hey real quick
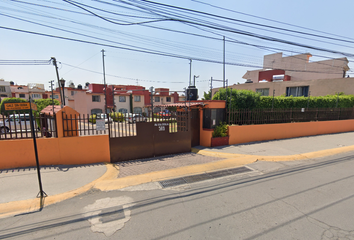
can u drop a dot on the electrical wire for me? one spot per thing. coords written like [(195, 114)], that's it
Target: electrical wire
[(110, 75), (25, 62)]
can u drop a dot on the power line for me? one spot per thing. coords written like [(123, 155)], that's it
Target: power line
[(258, 46), (25, 62), (268, 19), (128, 78), (238, 20), (245, 33)]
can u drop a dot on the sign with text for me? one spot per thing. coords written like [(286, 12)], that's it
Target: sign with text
[(100, 125), (17, 106), (162, 126)]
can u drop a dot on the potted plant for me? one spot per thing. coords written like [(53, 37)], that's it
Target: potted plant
[(220, 137)]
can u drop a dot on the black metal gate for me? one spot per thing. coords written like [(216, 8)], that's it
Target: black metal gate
[(134, 136)]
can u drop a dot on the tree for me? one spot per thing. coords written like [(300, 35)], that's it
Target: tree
[(42, 103), (11, 100), (240, 99), (207, 96)]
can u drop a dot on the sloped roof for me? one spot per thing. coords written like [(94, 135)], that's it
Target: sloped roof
[(49, 109)]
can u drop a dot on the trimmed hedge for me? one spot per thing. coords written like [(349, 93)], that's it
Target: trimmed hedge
[(246, 99)]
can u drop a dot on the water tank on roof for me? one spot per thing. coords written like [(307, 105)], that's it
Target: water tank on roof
[(278, 78), (79, 86), (192, 93)]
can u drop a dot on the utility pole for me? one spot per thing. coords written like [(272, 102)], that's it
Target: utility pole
[(152, 102), (104, 83), (56, 70), (211, 88), (51, 85), (224, 64), (190, 72)]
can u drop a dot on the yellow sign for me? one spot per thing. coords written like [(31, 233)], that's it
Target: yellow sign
[(17, 106)]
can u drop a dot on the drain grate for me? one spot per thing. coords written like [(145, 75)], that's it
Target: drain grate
[(202, 177), (172, 182)]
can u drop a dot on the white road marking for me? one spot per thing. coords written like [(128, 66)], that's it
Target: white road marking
[(109, 208)]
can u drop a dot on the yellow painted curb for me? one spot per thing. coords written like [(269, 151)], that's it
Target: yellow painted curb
[(30, 205), (303, 156), (120, 183), (218, 154)]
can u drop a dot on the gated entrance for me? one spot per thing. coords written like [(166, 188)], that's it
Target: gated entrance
[(137, 136)]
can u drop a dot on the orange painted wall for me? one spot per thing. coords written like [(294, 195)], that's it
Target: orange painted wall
[(55, 151), (253, 133), (214, 103)]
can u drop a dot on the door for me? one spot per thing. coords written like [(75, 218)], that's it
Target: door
[(195, 127)]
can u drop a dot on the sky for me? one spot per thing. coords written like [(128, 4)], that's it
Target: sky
[(150, 43)]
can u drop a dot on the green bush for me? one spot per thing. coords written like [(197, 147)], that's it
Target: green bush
[(246, 99), (92, 118), (240, 99), (117, 116), (329, 101), (220, 130)]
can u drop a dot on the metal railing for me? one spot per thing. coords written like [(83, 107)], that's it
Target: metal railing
[(267, 116), (120, 125), (18, 126)]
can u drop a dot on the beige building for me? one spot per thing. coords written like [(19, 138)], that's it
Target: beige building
[(297, 68), (320, 87), (296, 76)]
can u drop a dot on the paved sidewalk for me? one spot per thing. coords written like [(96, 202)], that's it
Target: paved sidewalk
[(147, 165), (22, 183), (288, 146)]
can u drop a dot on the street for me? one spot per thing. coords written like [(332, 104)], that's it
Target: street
[(307, 199)]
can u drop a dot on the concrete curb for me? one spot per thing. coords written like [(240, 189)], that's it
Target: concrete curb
[(32, 205), (303, 156), (129, 181)]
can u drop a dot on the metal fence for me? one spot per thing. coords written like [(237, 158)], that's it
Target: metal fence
[(120, 125), (267, 116), (18, 126)]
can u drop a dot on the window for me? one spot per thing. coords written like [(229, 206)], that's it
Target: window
[(73, 93), (123, 110), (22, 95), (263, 91), (137, 99), (122, 99), (2, 89), (157, 99), (168, 99), (36, 95), (297, 91), (138, 110), (157, 109), (3, 95), (55, 96), (96, 110), (96, 98)]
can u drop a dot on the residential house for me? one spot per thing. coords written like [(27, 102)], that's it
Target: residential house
[(5, 90), (33, 90), (297, 76)]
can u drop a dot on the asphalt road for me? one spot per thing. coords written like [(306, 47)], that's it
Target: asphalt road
[(309, 199)]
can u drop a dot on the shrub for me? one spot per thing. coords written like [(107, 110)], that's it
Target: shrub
[(240, 99), (117, 116), (92, 118), (220, 131)]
